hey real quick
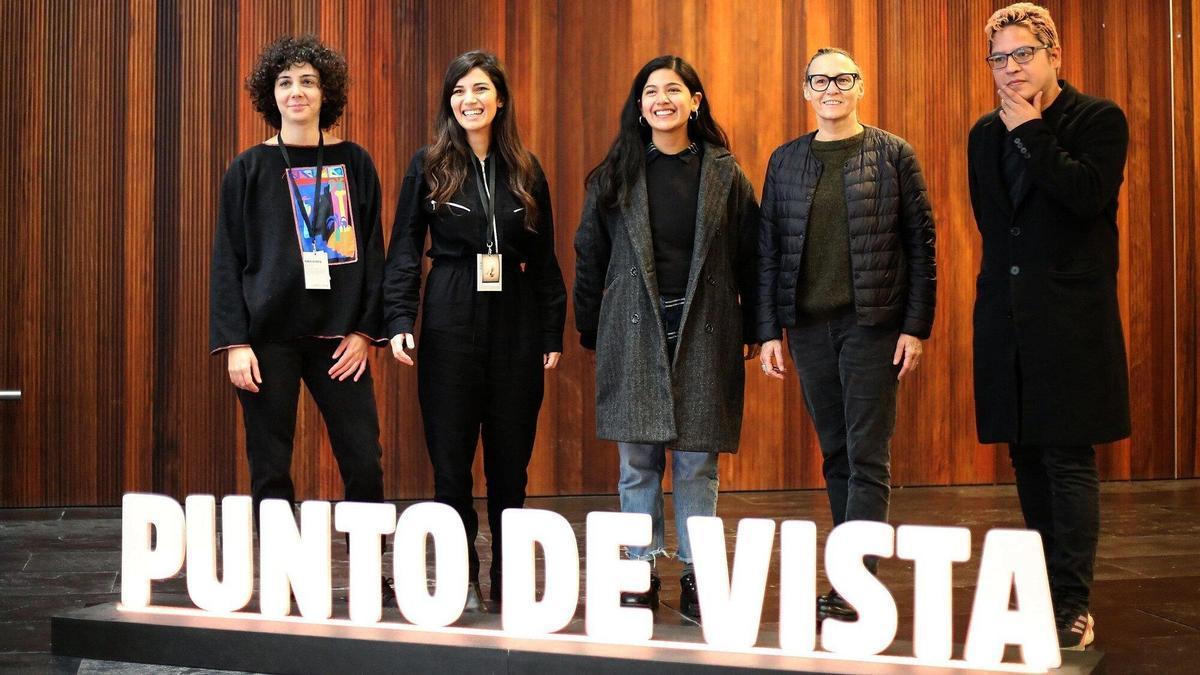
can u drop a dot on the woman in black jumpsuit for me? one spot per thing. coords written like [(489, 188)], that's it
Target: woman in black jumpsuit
[(482, 352)]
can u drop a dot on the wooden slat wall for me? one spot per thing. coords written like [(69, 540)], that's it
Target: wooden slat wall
[(1186, 21), (120, 117)]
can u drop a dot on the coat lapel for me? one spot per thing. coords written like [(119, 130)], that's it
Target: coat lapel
[(637, 223), (716, 177), (991, 178)]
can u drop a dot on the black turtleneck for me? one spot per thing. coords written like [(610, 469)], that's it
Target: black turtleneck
[(673, 188)]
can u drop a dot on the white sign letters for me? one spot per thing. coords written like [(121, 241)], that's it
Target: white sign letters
[(158, 536)]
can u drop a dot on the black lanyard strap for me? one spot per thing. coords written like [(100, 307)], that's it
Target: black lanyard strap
[(316, 203), (487, 195)]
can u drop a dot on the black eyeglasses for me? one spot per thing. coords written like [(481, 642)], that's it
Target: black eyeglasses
[(843, 81), (1020, 55)]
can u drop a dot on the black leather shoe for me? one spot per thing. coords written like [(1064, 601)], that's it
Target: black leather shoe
[(689, 601), (388, 592), (834, 606), (474, 601), (648, 598)]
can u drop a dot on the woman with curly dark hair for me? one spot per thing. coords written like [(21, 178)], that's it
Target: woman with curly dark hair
[(495, 303), (296, 272)]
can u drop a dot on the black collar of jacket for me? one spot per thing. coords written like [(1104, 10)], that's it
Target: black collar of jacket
[(1063, 103), (992, 139), (873, 137)]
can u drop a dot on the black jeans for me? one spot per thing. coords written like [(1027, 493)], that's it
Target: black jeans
[(1059, 490), (348, 408), (849, 386)]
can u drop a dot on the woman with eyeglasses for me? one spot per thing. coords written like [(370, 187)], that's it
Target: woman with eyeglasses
[(664, 284), (495, 302), (846, 266)]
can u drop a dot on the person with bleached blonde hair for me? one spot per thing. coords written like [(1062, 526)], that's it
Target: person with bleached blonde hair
[(1045, 169)]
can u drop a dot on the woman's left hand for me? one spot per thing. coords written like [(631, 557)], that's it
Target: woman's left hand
[(351, 355), (550, 360), (908, 352)]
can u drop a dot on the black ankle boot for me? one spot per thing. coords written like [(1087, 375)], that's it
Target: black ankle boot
[(648, 598), (474, 601), (689, 600), (833, 606)]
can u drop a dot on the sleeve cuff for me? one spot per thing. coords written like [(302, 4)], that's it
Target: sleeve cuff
[(398, 326), (217, 350), (552, 343), (916, 328)]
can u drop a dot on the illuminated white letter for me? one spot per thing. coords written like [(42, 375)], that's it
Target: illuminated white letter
[(1012, 561), (237, 552), (450, 567), (294, 559), (608, 576), (797, 586), (521, 613), (366, 523), (731, 609), (140, 563), (876, 625), (933, 550)]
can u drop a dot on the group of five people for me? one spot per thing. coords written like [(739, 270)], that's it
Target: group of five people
[(680, 276)]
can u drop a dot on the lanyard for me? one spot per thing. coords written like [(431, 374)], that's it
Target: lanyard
[(487, 195), (316, 203)]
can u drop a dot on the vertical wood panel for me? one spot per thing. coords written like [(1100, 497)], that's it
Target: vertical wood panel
[(120, 158), (1186, 54)]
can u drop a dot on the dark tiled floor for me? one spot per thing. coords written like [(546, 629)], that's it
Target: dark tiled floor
[(1146, 597)]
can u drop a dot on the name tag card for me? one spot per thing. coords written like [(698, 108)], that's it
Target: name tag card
[(488, 275), (316, 270)]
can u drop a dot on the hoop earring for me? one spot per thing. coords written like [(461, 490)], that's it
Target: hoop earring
[(641, 121), (694, 116)]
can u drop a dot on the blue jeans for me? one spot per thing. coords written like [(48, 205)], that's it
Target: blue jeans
[(695, 489)]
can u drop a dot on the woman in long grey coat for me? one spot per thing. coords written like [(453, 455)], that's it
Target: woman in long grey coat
[(665, 265)]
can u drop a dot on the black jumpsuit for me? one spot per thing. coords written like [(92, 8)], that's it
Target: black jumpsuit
[(479, 355)]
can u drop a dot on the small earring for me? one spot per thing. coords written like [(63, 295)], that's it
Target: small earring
[(694, 116)]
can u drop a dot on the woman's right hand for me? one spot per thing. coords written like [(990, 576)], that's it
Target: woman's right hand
[(243, 368), (399, 342), (771, 358)]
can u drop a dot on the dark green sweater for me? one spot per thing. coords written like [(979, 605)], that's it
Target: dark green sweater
[(825, 284)]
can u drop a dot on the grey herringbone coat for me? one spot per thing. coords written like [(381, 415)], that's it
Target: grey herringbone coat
[(695, 402)]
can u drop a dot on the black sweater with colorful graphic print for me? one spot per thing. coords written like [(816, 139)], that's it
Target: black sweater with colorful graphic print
[(258, 292)]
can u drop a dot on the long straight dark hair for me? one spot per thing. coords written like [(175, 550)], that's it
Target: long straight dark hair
[(448, 159), (614, 177)]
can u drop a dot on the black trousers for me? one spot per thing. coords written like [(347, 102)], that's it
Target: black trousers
[(1059, 489), (486, 377), (348, 408), (849, 386)]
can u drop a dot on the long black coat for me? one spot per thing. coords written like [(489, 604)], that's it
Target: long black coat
[(694, 402), (1049, 351)]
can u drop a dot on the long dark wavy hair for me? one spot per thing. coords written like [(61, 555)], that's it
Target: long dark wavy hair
[(614, 177), (449, 157)]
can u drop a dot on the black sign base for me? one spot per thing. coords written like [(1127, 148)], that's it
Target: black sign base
[(249, 643)]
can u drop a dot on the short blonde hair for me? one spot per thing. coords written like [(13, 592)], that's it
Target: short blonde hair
[(1034, 17)]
